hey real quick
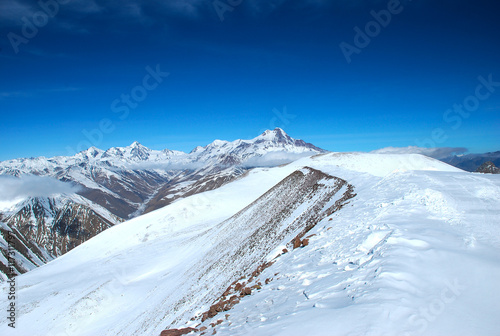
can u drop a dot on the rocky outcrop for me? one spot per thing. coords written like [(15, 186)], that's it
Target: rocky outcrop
[(177, 332), (233, 294), (488, 168)]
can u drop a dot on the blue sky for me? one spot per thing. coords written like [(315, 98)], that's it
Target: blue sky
[(267, 64)]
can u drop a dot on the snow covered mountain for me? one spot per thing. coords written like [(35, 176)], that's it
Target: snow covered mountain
[(47, 227), (334, 244), (130, 180)]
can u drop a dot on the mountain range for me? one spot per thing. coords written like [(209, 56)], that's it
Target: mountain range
[(122, 183), (114, 185)]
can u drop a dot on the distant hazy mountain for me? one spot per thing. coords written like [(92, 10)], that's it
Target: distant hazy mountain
[(471, 162), (452, 155)]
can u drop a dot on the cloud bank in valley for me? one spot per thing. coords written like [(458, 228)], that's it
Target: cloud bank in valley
[(15, 188), (436, 153), (163, 166)]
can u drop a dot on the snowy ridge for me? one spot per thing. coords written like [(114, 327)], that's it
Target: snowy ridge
[(244, 241), (415, 253)]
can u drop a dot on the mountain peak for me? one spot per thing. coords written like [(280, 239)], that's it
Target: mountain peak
[(92, 152), (276, 131), (135, 144), (136, 151), (276, 135), (94, 149), (218, 143), (197, 149)]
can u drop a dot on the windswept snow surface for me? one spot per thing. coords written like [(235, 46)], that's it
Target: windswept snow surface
[(416, 252)]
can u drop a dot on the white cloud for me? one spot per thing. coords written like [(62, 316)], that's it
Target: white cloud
[(189, 8), (11, 12), (436, 153), (14, 188), (77, 11), (273, 159)]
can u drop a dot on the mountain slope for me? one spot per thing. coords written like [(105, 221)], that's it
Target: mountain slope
[(242, 243), (414, 222)]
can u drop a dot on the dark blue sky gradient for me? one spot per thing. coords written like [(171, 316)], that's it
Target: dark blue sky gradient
[(227, 77)]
